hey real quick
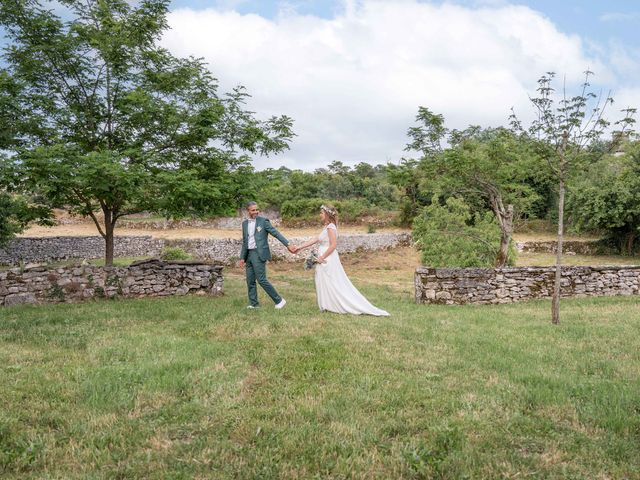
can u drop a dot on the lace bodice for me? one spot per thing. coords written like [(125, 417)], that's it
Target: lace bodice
[(324, 236)]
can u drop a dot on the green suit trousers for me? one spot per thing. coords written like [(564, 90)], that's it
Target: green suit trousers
[(256, 270)]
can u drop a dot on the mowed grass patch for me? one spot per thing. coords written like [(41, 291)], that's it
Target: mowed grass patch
[(197, 387), (527, 259)]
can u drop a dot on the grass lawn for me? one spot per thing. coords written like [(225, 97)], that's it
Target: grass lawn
[(203, 388)]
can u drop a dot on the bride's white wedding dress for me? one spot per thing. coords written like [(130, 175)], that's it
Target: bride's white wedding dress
[(335, 291)]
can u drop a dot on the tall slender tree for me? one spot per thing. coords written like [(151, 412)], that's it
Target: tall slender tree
[(565, 128)]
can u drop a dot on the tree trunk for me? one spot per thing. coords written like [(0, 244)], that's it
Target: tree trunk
[(506, 232), (631, 238), (555, 303), (108, 238)]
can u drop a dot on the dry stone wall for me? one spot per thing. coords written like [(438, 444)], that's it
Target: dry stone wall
[(152, 278), (569, 247), (507, 285), (46, 249), (222, 250)]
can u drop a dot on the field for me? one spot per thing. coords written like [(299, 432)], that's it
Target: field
[(197, 387), (79, 227)]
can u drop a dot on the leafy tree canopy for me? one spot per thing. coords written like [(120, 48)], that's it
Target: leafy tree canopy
[(607, 198), (450, 235), (97, 117)]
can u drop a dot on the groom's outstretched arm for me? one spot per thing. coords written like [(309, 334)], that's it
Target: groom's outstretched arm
[(274, 231)]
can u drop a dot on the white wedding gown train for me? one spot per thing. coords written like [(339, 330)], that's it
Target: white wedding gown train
[(335, 291)]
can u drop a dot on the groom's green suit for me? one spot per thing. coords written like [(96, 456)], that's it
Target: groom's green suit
[(256, 259)]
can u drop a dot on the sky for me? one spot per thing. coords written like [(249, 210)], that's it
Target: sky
[(353, 73)]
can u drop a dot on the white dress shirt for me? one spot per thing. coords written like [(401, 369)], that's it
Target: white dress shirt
[(251, 231)]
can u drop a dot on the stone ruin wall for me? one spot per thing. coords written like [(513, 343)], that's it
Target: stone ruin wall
[(569, 247), (516, 284), (221, 250), (152, 278)]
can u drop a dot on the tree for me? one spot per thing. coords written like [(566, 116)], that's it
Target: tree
[(16, 212), (101, 119), (607, 199), (450, 235), (493, 165), (484, 166), (564, 134)]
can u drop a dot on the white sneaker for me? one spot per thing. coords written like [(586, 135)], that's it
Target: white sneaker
[(253, 306), (282, 303)]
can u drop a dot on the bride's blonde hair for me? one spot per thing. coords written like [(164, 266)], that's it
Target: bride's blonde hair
[(331, 212)]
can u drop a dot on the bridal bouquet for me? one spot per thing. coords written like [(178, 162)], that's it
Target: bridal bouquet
[(310, 261)]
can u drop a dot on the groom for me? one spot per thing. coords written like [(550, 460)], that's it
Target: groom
[(255, 253)]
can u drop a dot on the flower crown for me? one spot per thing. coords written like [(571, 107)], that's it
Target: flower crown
[(331, 211)]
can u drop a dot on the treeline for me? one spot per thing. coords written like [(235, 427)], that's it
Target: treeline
[(360, 192), (485, 170)]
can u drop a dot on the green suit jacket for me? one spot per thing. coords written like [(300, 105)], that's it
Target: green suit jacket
[(261, 235)]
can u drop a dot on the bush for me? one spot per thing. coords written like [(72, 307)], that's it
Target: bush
[(174, 253), (450, 236), (307, 209)]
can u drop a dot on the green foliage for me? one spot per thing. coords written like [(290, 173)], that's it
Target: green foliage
[(607, 199), (17, 210), (416, 184), (495, 166), (427, 136), (103, 119), (308, 209), (56, 293), (450, 235), (364, 184), (174, 253), (15, 214), (489, 169)]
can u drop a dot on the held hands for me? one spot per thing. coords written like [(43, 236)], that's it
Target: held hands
[(241, 263), (293, 248)]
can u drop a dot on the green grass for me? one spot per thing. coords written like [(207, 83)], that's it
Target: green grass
[(203, 388), (541, 259)]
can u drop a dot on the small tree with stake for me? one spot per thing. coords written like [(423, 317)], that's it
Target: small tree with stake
[(564, 132)]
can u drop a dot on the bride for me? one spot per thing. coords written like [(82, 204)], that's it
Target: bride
[(334, 290)]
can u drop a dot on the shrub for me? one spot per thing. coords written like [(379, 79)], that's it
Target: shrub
[(451, 236), (174, 253), (307, 209)]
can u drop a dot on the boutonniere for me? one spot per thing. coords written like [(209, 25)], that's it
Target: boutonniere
[(259, 229)]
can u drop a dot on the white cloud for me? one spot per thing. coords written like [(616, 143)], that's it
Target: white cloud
[(626, 97), (353, 83)]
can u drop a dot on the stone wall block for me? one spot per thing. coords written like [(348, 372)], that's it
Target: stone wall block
[(19, 299), (74, 283), (515, 284)]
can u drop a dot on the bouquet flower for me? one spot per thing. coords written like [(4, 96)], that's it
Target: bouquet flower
[(310, 261)]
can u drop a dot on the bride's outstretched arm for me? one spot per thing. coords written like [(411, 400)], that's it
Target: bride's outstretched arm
[(308, 243), (333, 243)]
